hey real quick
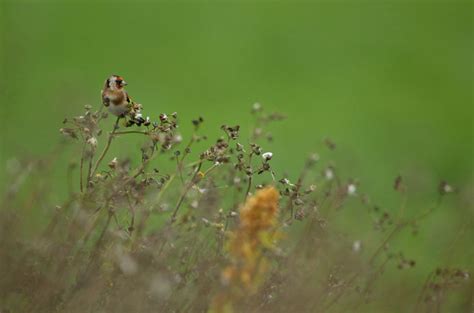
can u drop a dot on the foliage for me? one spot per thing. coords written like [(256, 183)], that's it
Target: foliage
[(221, 233)]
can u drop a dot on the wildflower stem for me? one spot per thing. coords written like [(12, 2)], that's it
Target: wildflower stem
[(185, 191), (185, 153), (403, 204), (294, 195), (82, 166), (210, 169), (98, 243), (89, 169), (397, 228), (428, 212), (131, 132), (422, 292), (145, 162), (249, 185), (141, 224), (132, 212), (109, 141), (341, 293), (178, 167), (400, 226)]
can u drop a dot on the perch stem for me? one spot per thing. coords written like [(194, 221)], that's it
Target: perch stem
[(109, 142)]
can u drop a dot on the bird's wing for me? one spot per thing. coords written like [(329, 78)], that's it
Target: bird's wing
[(105, 99)]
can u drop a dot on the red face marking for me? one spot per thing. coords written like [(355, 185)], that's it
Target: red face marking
[(119, 81)]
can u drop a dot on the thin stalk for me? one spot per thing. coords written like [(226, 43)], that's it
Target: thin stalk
[(185, 153), (132, 211), (109, 141), (249, 185), (185, 191), (422, 292), (81, 166), (397, 228), (145, 162), (89, 170), (131, 132), (401, 225)]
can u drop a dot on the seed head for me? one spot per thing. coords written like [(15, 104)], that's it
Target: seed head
[(351, 189), (267, 156)]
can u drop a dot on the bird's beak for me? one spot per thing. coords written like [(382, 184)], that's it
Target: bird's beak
[(124, 83)]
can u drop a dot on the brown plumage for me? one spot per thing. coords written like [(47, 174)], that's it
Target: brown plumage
[(114, 96)]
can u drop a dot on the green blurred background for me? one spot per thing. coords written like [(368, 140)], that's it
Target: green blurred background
[(390, 83)]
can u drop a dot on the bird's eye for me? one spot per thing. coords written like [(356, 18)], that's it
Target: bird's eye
[(119, 81)]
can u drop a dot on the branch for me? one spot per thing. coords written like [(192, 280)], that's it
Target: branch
[(109, 141)]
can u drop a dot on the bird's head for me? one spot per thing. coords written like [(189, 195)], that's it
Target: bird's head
[(115, 82)]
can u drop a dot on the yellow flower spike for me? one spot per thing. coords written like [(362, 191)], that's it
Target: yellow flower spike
[(256, 233)]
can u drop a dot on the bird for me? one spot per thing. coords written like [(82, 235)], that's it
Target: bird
[(116, 99), (114, 96)]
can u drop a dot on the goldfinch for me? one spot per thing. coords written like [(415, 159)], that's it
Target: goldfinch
[(114, 96), (116, 99)]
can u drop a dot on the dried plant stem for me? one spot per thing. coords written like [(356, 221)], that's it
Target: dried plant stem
[(294, 195), (89, 169), (69, 179), (131, 132), (379, 249), (142, 167), (107, 146), (146, 215), (210, 169), (341, 293), (185, 191), (83, 278), (132, 211), (461, 232), (179, 170), (249, 185), (422, 292), (90, 230), (98, 243), (164, 188), (82, 166), (400, 226), (185, 153), (403, 204), (371, 281)]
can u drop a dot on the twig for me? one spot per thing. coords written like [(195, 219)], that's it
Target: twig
[(145, 162), (397, 228), (185, 191), (210, 169), (109, 141), (422, 292), (89, 169), (249, 185), (132, 211), (180, 172), (294, 195), (185, 153), (81, 167), (131, 132), (146, 215)]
